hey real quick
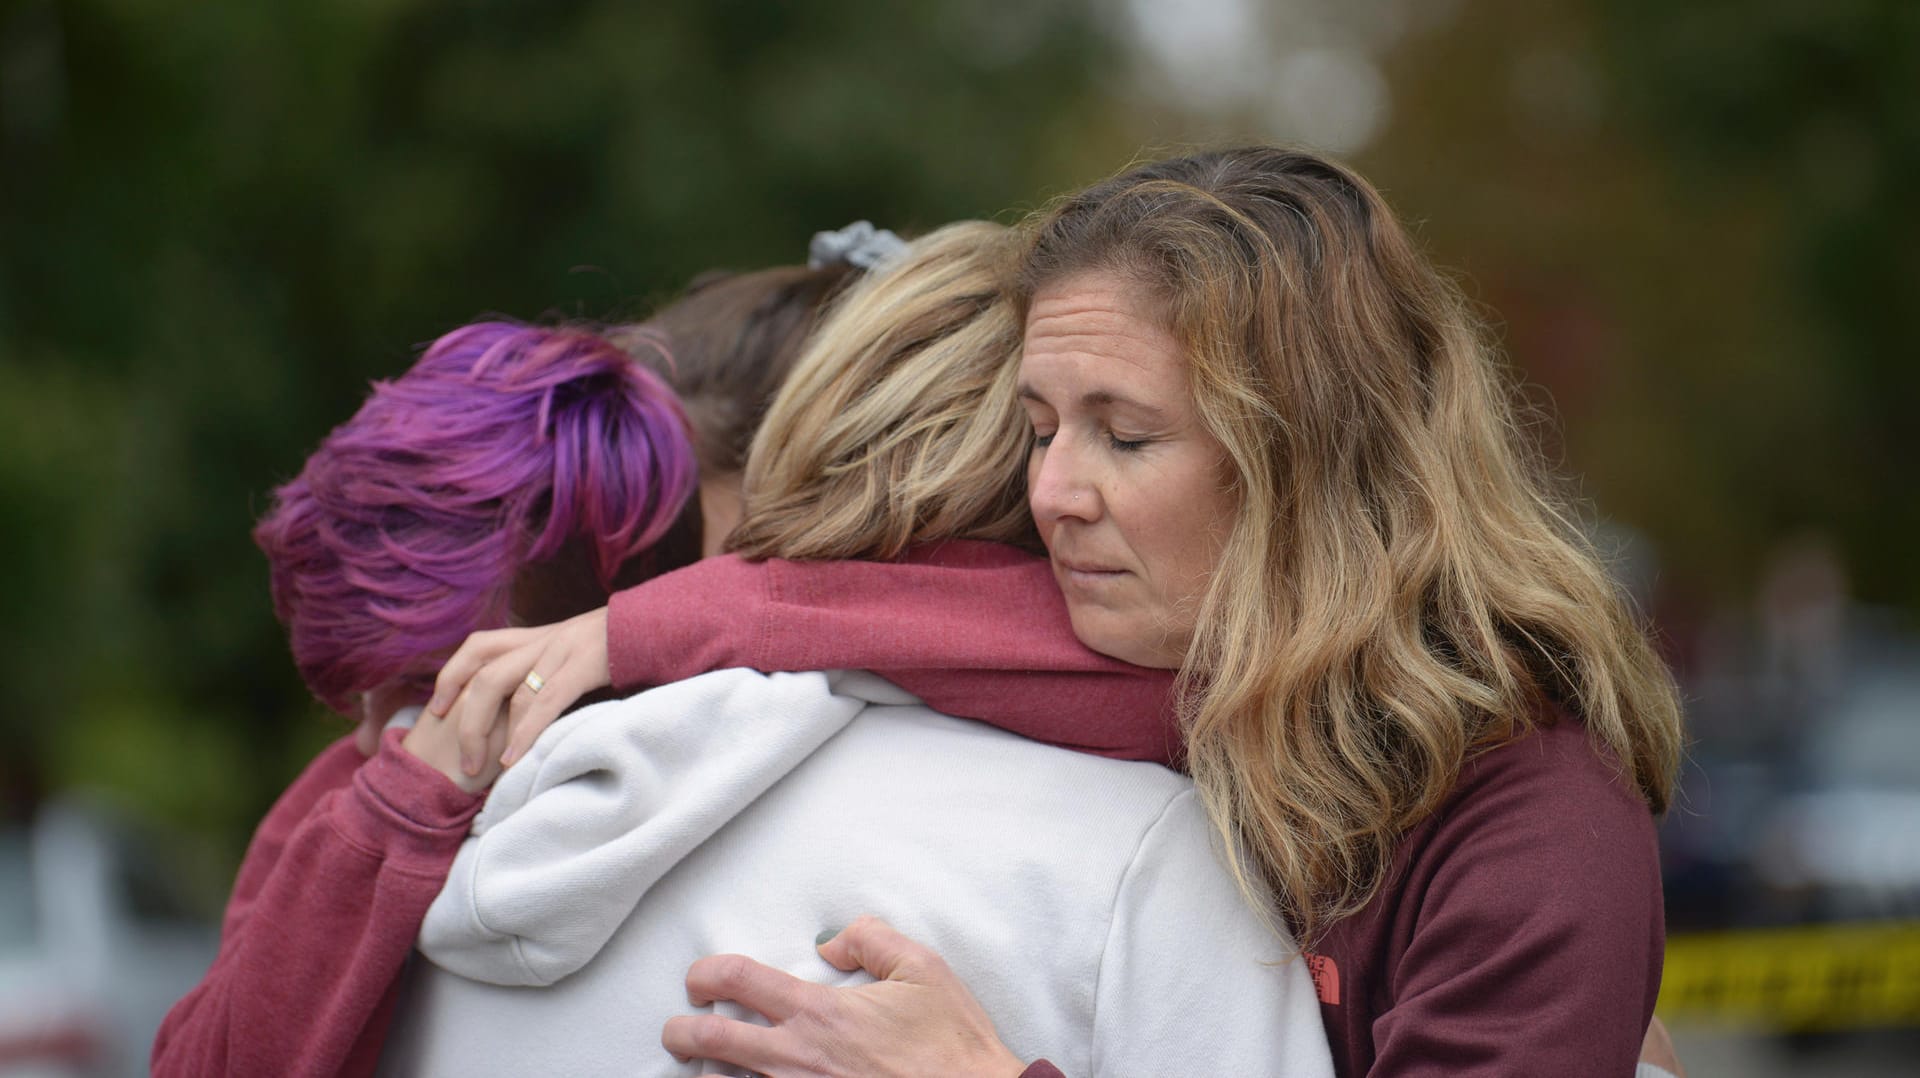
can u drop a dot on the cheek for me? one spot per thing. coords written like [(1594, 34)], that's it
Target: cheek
[(1190, 554), (1191, 530)]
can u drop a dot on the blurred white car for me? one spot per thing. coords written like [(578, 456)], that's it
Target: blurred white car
[(1848, 837), (93, 948)]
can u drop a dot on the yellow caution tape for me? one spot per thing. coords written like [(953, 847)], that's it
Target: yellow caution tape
[(1821, 977)]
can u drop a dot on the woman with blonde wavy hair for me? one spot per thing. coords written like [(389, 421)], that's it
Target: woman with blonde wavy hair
[(1272, 450)]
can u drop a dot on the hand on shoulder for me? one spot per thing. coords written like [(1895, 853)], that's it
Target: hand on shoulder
[(435, 740), (502, 687)]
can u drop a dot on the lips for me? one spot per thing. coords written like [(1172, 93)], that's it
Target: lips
[(1076, 562), (1084, 574)]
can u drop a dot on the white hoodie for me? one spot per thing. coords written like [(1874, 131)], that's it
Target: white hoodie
[(1078, 897)]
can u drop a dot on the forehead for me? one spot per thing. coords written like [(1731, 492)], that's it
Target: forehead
[(1106, 335)]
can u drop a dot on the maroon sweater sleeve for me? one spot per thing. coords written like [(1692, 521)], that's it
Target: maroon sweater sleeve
[(974, 629), (324, 913)]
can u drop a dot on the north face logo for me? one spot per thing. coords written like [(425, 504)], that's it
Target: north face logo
[(1326, 978)]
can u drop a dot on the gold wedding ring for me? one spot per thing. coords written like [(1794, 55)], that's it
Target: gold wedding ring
[(535, 682)]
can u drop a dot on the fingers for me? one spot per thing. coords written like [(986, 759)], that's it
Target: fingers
[(918, 1019), (529, 712), (484, 688), (739, 979), (434, 741), (574, 664), (475, 652), (724, 1040), (877, 947), (480, 708), (490, 765)]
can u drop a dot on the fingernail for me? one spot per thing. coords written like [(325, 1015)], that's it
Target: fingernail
[(825, 937), (468, 766), (437, 706), (508, 757)]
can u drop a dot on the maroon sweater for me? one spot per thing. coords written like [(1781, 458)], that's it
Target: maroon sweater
[(323, 916)]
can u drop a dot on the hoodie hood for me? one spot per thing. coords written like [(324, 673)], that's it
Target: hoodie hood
[(610, 799)]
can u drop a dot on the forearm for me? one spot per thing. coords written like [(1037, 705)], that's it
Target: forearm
[(323, 920), (976, 630)]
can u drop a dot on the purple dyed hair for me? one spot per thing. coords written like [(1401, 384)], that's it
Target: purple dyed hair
[(407, 527)]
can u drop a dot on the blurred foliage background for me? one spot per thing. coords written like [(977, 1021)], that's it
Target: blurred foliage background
[(1693, 225)]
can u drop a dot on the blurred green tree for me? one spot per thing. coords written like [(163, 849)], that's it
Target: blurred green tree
[(222, 219), (1812, 110), (1690, 224)]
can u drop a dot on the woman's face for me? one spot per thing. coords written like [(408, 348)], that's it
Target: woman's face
[(1127, 488)]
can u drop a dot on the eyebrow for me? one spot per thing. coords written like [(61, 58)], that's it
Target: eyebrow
[(1101, 398)]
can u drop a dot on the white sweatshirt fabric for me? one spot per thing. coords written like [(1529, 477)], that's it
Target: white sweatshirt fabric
[(1078, 897)]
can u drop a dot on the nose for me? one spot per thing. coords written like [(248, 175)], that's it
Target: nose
[(1059, 486)]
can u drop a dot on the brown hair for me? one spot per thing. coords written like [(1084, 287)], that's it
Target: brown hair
[(731, 339), (1402, 585)]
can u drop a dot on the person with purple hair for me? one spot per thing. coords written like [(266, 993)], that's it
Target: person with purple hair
[(515, 474)]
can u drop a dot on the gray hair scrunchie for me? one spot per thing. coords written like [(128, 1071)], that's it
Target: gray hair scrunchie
[(859, 245)]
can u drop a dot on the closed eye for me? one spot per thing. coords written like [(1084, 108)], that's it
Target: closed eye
[(1125, 445)]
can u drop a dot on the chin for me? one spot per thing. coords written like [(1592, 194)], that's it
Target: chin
[(1113, 637)]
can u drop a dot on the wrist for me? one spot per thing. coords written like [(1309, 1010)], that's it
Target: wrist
[(400, 804), (442, 758), (432, 741), (425, 762)]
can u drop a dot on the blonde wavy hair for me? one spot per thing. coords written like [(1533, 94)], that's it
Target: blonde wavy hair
[(1402, 587), (900, 423)]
